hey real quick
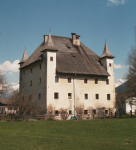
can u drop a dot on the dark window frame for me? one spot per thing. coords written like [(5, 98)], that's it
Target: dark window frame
[(31, 70), (40, 80), (69, 95), (109, 64), (85, 112), (106, 111), (70, 112), (56, 96), (96, 96), (57, 77), (69, 81), (30, 82), (85, 80), (107, 81), (51, 58), (94, 111), (108, 97), (86, 96), (56, 112), (39, 96), (40, 66), (96, 80)]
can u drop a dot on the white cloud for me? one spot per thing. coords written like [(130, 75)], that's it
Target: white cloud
[(115, 2), (8, 66), (119, 66)]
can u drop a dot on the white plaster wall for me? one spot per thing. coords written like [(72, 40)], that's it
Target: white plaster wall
[(36, 88), (63, 88)]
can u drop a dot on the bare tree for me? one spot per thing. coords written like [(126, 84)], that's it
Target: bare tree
[(120, 103), (50, 112), (79, 111), (63, 113), (25, 104), (3, 84)]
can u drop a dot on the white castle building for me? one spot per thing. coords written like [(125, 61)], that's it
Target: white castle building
[(65, 73)]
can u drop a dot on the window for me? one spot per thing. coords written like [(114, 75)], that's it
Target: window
[(106, 111), (23, 84), (70, 112), (31, 70), (97, 96), (56, 95), (56, 79), (94, 111), (109, 64), (30, 82), (39, 96), (56, 112), (107, 81), (108, 96), (51, 58), (40, 66), (86, 96), (39, 80), (69, 95), (85, 112), (69, 79), (96, 81), (85, 80), (23, 73)]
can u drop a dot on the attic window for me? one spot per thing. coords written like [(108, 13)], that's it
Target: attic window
[(73, 54), (68, 45)]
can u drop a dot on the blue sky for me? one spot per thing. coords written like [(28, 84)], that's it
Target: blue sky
[(24, 22)]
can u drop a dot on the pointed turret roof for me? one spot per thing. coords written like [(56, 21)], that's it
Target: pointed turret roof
[(25, 57), (106, 52), (49, 44)]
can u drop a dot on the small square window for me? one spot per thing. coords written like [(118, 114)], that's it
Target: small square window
[(56, 112), (39, 96), (97, 96), (51, 58), (56, 79), (39, 80), (56, 95), (86, 96), (109, 64), (106, 111), (30, 82), (94, 111), (85, 112), (85, 80), (69, 95), (70, 112), (96, 81), (24, 73), (69, 79), (107, 81), (108, 96), (31, 70), (40, 66)]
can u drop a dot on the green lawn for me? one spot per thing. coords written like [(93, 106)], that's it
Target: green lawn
[(99, 134)]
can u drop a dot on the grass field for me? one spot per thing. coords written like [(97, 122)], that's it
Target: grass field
[(102, 134)]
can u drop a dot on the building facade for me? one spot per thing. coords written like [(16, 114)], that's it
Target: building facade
[(64, 73)]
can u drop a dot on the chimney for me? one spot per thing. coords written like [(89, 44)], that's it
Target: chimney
[(45, 38), (75, 39)]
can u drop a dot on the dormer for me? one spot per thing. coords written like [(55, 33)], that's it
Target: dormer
[(75, 39)]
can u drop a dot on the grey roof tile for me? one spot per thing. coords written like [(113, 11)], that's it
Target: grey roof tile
[(84, 62)]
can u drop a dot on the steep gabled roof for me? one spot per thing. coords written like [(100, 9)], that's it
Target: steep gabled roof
[(70, 59), (25, 57), (106, 52)]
